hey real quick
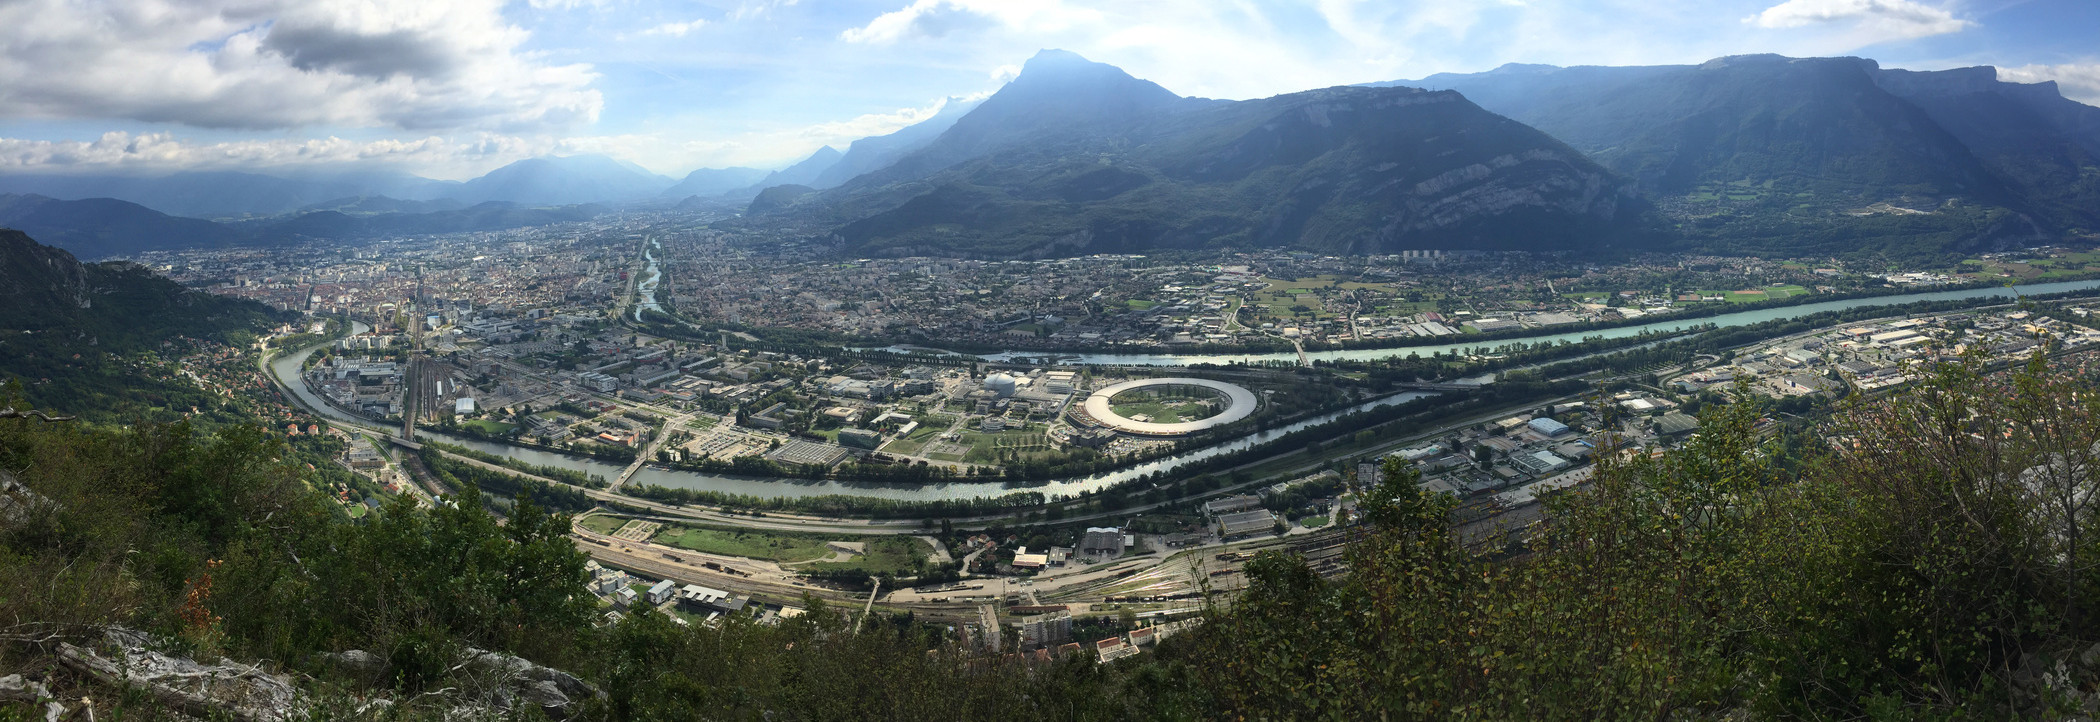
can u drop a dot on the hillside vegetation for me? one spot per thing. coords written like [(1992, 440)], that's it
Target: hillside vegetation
[(1938, 561), (98, 338)]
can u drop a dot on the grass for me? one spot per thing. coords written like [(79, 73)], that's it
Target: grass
[(916, 440), (701, 422), (748, 544), (1164, 412), (489, 427), (885, 554), (985, 447), (602, 523), (890, 554), (1137, 304), (1314, 522)]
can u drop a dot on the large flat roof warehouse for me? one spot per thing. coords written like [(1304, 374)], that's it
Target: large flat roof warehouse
[(1239, 404)]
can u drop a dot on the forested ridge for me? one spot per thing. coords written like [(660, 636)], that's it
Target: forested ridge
[(1934, 559)]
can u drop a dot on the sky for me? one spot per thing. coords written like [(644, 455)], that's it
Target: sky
[(454, 89)]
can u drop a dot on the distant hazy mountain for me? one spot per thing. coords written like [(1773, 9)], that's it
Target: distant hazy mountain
[(802, 173), (776, 198), (872, 154), (1813, 124), (1811, 155), (489, 216), (714, 182), (382, 204), (218, 194), (104, 227), (564, 180), (1079, 157)]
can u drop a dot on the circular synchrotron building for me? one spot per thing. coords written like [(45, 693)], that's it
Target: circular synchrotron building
[(1240, 403)]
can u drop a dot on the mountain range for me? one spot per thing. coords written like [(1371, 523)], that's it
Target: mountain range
[(1079, 157), (105, 227), (1752, 150), (1743, 154)]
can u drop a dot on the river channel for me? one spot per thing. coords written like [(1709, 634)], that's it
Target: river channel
[(645, 286), (1741, 318), (286, 369)]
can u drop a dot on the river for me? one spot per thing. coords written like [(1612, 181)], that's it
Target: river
[(1740, 318), (645, 287), (286, 369)]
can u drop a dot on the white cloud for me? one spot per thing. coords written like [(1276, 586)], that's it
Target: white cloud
[(123, 152), (870, 124), (1885, 19), (941, 18), (2077, 81), (758, 9), (457, 156), (1005, 73), (259, 64), (676, 30)]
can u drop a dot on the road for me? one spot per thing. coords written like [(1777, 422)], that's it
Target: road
[(656, 443), (799, 522)]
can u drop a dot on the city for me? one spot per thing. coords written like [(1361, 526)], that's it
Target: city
[(1076, 360)]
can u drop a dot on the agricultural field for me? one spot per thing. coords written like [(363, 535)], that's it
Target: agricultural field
[(2070, 265)]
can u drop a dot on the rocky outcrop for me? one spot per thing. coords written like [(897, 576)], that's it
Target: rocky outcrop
[(14, 688), (226, 689), (482, 683)]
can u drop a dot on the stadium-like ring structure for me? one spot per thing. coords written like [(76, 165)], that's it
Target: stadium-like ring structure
[(1239, 404)]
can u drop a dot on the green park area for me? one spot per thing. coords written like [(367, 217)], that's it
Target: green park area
[(1165, 405), (913, 442), (880, 554), (988, 447), (602, 523), (497, 428), (1164, 411)]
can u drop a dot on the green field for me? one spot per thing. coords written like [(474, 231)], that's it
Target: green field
[(986, 447), (891, 554), (748, 544), (489, 427), (1138, 304), (701, 422), (916, 440), (1165, 411), (601, 523)]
